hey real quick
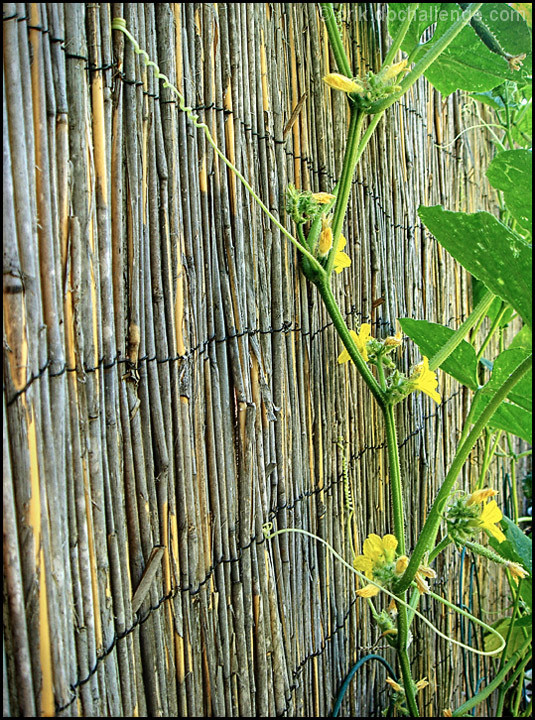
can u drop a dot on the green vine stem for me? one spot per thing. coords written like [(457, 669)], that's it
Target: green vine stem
[(352, 155), (335, 39), (430, 529), (458, 336), (331, 305), (428, 58)]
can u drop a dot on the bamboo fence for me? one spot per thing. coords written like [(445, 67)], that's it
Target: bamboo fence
[(170, 381)]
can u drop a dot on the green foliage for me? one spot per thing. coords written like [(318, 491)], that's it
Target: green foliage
[(430, 337), (468, 63), (489, 250), (511, 171)]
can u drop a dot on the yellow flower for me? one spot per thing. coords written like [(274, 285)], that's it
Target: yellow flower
[(361, 341), (394, 340), (490, 516), (421, 684), (326, 241), (423, 572), (425, 380), (323, 198), (368, 591), (397, 687), (517, 571), (447, 712), (401, 564), (377, 552), (393, 71), (341, 82), (341, 259), (479, 496)]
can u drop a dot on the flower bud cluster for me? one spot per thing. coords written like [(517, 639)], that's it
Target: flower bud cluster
[(373, 87)]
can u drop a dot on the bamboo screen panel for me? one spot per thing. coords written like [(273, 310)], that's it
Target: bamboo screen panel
[(170, 381)]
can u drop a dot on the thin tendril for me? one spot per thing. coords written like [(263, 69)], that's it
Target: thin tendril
[(120, 24)]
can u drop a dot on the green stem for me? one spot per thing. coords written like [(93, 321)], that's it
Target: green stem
[(343, 331), (404, 664), (335, 39), (428, 58), (490, 451), (495, 684), (458, 336), (398, 40), (514, 491), (521, 671), (430, 529), (495, 325), (395, 477), (351, 157)]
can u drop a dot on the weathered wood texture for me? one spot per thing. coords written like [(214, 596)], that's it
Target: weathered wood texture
[(170, 381)]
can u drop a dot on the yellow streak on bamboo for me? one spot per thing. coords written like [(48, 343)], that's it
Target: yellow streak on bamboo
[(178, 46), (144, 150), (315, 680), (16, 337), (92, 555), (263, 72), (99, 136), (203, 177), (179, 308), (294, 100), (229, 142), (93, 288), (34, 503), (34, 521)]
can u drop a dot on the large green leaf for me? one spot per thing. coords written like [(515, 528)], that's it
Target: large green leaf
[(466, 64), (511, 172), (431, 337), (513, 418), (505, 32), (488, 250)]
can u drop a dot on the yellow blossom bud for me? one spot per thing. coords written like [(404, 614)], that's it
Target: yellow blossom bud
[(481, 495), (395, 685), (368, 591), (393, 70), (326, 241), (447, 713), (341, 82), (421, 584), (427, 572), (421, 684), (401, 564), (323, 198), (394, 340), (517, 571)]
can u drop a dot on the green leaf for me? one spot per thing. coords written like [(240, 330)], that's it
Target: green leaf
[(431, 337), (517, 547), (488, 250), (505, 31), (516, 635), (513, 418), (478, 290), (511, 172), (523, 339)]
